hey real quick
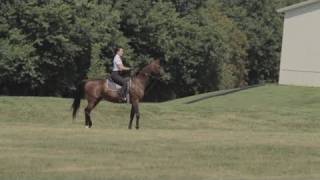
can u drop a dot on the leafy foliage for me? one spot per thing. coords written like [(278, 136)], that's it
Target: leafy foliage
[(47, 47)]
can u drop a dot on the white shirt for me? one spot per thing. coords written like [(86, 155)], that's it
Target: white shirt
[(116, 62)]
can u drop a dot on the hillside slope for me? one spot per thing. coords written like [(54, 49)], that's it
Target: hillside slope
[(270, 132)]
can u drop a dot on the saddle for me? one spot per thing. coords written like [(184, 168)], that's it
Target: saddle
[(113, 86)]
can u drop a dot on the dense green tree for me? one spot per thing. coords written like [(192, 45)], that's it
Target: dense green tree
[(62, 40), (194, 46), (262, 25), (47, 47), (224, 46)]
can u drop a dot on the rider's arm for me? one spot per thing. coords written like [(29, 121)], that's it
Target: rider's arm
[(119, 64), (122, 67)]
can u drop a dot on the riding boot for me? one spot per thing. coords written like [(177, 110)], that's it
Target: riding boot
[(124, 91)]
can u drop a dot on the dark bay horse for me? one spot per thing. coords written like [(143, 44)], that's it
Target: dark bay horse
[(96, 90)]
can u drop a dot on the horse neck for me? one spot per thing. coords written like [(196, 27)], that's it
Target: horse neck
[(143, 79)]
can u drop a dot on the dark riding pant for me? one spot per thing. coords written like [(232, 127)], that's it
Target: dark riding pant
[(117, 78)]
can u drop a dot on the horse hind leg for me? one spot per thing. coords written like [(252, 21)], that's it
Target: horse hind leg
[(88, 123), (91, 105)]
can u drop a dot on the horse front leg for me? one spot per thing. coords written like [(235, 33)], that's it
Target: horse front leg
[(136, 110), (131, 117)]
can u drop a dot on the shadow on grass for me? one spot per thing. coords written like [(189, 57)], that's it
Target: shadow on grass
[(222, 93)]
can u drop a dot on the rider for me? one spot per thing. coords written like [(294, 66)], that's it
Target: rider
[(117, 68)]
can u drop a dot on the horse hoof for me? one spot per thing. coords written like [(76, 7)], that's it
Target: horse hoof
[(137, 128), (87, 127)]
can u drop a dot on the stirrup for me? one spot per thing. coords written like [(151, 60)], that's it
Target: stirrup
[(125, 99)]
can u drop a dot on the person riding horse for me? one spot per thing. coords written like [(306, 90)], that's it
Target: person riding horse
[(96, 90), (118, 67)]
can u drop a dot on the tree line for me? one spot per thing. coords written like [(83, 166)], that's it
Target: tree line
[(48, 46)]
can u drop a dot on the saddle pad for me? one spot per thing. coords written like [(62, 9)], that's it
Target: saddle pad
[(112, 85)]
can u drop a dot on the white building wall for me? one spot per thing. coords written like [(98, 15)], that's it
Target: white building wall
[(300, 57)]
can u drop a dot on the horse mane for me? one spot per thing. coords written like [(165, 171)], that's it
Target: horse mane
[(144, 69)]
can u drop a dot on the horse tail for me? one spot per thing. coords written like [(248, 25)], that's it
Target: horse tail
[(77, 99)]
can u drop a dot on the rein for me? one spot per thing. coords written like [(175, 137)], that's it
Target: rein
[(148, 75), (151, 76)]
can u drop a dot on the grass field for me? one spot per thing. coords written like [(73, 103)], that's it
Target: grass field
[(268, 133)]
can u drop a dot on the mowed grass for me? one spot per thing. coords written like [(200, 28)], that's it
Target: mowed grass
[(270, 132)]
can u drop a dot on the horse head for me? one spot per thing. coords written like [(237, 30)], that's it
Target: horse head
[(155, 68)]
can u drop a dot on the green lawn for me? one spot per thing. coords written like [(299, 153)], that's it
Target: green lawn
[(270, 132)]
